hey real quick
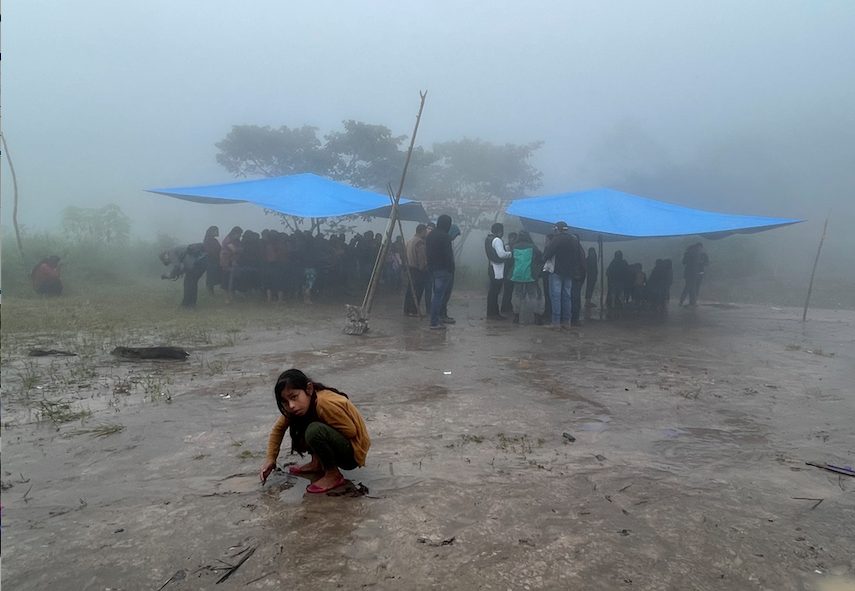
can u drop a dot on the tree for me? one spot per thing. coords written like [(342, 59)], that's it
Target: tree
[(250, 150), (108, 225), (474, 181), (365, 156)]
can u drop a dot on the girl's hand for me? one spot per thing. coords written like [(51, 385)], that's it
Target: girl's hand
[(266, 469)]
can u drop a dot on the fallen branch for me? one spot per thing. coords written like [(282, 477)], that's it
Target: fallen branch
[(237, 566), (818, 501)]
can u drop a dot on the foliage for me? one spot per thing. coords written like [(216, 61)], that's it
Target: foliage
[(85, 264), (365, 156), (474, 168), (250, 150), (473, 180), (108, 225)]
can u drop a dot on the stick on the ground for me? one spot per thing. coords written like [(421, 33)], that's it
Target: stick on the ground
[(818, 501), (237, 566), (813, 272)]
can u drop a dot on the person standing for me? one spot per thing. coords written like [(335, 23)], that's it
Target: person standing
[(212, 257), (453, 233), (507, 306), (417, 262), (229, 260), (580, 272), (190, 262), (440, 265), (567, 260), (591, 280), (496, 255), (528, 295), (615, 275), (695, 261)]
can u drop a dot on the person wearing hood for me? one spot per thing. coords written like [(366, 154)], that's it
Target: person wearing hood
[(440, 265), (453, 233), (528, 295)]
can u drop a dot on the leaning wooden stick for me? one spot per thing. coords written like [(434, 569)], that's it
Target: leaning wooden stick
[(813, 272), (372, 287), (15, 207)]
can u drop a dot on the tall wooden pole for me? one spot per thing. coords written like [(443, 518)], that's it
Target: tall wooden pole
[(813, 272), (15, 208), (384, 249), (602, 273)]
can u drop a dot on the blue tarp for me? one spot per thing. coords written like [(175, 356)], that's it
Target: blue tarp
[(304, 195), (621, 216)]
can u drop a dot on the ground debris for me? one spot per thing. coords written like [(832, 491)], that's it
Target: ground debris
[(568, 437), (151, 353), (846, 470), (178, 576), (46, 352), (428, 542)]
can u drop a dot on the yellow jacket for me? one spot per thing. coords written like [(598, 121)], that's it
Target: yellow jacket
[(339, 413)]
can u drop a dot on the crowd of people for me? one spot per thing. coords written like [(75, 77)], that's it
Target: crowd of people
[(283, 266), (546, 287)]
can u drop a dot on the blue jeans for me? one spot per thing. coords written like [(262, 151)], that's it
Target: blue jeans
[(559, 294), (440, 280)]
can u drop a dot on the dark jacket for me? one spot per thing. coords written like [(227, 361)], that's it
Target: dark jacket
[(439, 252), (569, 257)]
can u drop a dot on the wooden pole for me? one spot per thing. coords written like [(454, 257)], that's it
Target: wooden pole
[(393, 216), (602, 273), (15, 208), (813, 272)]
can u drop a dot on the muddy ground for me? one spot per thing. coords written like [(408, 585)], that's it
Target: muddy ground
[(687, 470)]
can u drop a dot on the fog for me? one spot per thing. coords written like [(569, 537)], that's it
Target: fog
[(726, 106)]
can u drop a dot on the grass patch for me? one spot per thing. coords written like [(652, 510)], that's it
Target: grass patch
[(60, 412)]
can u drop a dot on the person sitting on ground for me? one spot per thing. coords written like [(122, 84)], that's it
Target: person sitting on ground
[(322, 422), (46, 277), (189, 261)]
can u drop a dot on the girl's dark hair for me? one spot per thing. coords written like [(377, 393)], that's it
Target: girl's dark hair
[(294, 379)]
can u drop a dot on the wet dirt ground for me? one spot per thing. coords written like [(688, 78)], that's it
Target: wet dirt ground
[(687, 470)]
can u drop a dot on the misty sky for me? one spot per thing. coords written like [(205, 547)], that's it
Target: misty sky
[(732, 106)]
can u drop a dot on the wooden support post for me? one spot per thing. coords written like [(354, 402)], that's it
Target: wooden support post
[(813, 272), (357, 318), (602, 273), (15, 208)]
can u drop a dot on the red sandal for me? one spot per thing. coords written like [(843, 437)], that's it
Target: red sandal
[(315, 489)]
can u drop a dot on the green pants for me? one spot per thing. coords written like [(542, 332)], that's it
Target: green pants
[(331, 447)]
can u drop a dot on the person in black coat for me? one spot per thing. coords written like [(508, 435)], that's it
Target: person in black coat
[(591, 280), (440, 264)]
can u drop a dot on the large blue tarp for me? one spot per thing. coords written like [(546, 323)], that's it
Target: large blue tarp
[(303, 195), (620, 216)]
